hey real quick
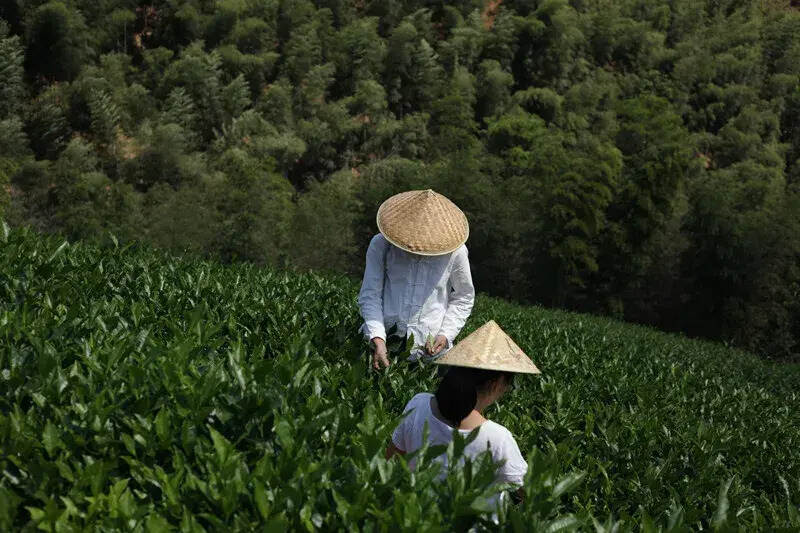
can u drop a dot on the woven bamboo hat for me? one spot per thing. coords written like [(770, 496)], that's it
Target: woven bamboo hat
[(423, 222), (489, 347)]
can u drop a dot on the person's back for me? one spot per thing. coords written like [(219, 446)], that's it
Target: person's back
[(492, 437), (481, 369)]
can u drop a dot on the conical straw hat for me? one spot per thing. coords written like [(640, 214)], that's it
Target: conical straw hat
[(423, 222), (489, 347)]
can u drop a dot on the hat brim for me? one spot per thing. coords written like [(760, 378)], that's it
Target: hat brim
[(498, 368)]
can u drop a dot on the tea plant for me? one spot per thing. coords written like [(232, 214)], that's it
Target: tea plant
[(142, 391)]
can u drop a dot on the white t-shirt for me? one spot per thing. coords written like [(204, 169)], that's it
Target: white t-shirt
[(491, 436)]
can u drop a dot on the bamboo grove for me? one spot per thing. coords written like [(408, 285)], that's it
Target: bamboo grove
[(634, 158)]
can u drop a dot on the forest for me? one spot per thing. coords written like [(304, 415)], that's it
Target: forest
[(633, 158)]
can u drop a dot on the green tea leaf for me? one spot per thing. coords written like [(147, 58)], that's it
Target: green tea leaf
[(156, 523), (58, 251), (284, 433), (163, 429), (565, 523), (567, 484), (721, 513), (278, 524), (51, 439), (260, 497), (221, 444)]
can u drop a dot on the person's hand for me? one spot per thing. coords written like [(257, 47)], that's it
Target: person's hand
[(379, 356), (436, 345)]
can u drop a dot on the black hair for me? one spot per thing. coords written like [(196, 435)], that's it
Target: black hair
[(458, 391)]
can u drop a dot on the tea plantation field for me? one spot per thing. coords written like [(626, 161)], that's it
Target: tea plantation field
[(142, 391)]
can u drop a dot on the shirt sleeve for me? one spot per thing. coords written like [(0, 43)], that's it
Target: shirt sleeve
[(515, 467), (370, 298), (461, 299)]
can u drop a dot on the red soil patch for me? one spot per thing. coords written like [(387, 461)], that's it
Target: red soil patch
[(490, 12)]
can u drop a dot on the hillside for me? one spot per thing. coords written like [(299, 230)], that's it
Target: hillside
[(142, 391)]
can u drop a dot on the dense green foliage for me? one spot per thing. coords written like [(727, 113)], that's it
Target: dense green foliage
[(146, 392), (637, 158)]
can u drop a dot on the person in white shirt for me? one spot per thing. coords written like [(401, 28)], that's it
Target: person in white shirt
[(417, 276), (482, 370)]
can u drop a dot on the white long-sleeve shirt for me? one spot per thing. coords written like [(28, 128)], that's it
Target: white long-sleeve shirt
[(422, 295)]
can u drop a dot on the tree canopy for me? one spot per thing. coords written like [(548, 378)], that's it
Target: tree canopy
[(635, 158)]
